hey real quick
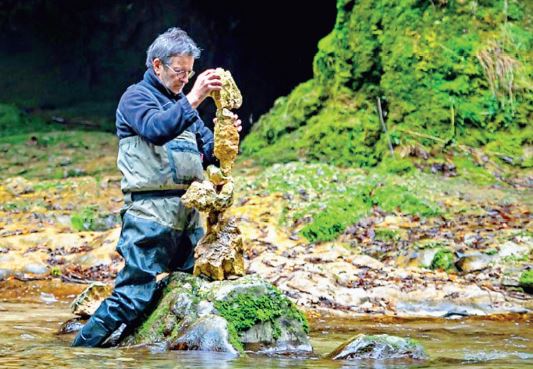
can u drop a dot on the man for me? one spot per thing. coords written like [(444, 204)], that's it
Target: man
[(163, 148)]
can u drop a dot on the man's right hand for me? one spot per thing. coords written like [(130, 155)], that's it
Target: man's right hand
[(205, 83)]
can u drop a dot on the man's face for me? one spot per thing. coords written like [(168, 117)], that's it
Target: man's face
[(175, 75)]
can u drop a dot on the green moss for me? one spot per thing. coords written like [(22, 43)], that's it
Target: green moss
[(473, 172), (429, 244), (47, 185), (526, 280), (57, 155), (437, 70), (490, 252), (287, 115), (443, 260), (330, 199), (234, 338), (392, 197), (13, 122), (294, 313), (333, 220), (152, 329), (244, 310), (20, 205), (55, 271), (353, 205), (89, 219), (396, 166), (386, 235), (515, 259)]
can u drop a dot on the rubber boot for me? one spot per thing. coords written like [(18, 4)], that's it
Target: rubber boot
[(93, 334)]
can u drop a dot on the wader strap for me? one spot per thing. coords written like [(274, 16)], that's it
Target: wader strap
[(143, 195)]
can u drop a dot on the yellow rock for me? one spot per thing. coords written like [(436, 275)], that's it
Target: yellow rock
[(229, 96), (214, 174), (226, 140), (226, 134), (219, 254), (200, 195)]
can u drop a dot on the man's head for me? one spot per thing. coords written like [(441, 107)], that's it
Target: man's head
[(172, 55)]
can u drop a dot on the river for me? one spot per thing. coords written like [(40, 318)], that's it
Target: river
[(29, 322)]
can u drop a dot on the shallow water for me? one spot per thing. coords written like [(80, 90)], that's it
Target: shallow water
[(28, 339)]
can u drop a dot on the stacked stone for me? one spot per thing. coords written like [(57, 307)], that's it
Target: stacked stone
[(219, 254)]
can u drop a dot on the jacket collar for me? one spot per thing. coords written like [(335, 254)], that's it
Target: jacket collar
[(151, 79)]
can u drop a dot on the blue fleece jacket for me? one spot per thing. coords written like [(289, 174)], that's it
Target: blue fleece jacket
[(150, 110)]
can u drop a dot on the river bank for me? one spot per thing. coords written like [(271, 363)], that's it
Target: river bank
[(465, 258)]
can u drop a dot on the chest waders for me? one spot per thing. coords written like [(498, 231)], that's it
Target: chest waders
[(158, 233)]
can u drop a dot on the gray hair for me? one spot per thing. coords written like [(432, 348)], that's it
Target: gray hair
[(174, 42)]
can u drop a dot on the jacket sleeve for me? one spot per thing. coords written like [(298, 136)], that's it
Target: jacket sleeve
[(150, 121), (206, 142)]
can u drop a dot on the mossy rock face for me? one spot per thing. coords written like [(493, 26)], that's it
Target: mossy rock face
[(233, 316), (526, 281), (443, 260), (379, 347), (435, 68)]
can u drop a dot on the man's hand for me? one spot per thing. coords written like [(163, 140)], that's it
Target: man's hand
[(236, 122), (205, 83)]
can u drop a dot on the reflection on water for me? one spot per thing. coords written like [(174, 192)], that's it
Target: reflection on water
[(28, 339)]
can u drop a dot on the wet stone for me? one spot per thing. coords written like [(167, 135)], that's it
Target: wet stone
[(71, 325), (182, 305), (379, 347), (88, 301), (209, 333), (229, 316)]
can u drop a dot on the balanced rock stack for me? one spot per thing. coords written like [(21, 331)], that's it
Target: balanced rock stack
[(219, 254)]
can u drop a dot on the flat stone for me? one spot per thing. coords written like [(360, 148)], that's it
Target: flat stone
[(366, 261), (511, 248), (473, 262), (35, 268)]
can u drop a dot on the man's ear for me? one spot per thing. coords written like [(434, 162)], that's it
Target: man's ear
[(157, 64)]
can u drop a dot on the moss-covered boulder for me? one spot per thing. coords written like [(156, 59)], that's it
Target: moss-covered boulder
[(526, 281), (437, 72), (233, 316), (379, 347)]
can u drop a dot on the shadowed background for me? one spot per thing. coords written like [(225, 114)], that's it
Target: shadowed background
[(74, 59)]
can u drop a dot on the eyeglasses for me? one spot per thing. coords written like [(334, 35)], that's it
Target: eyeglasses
[(181, 73)]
